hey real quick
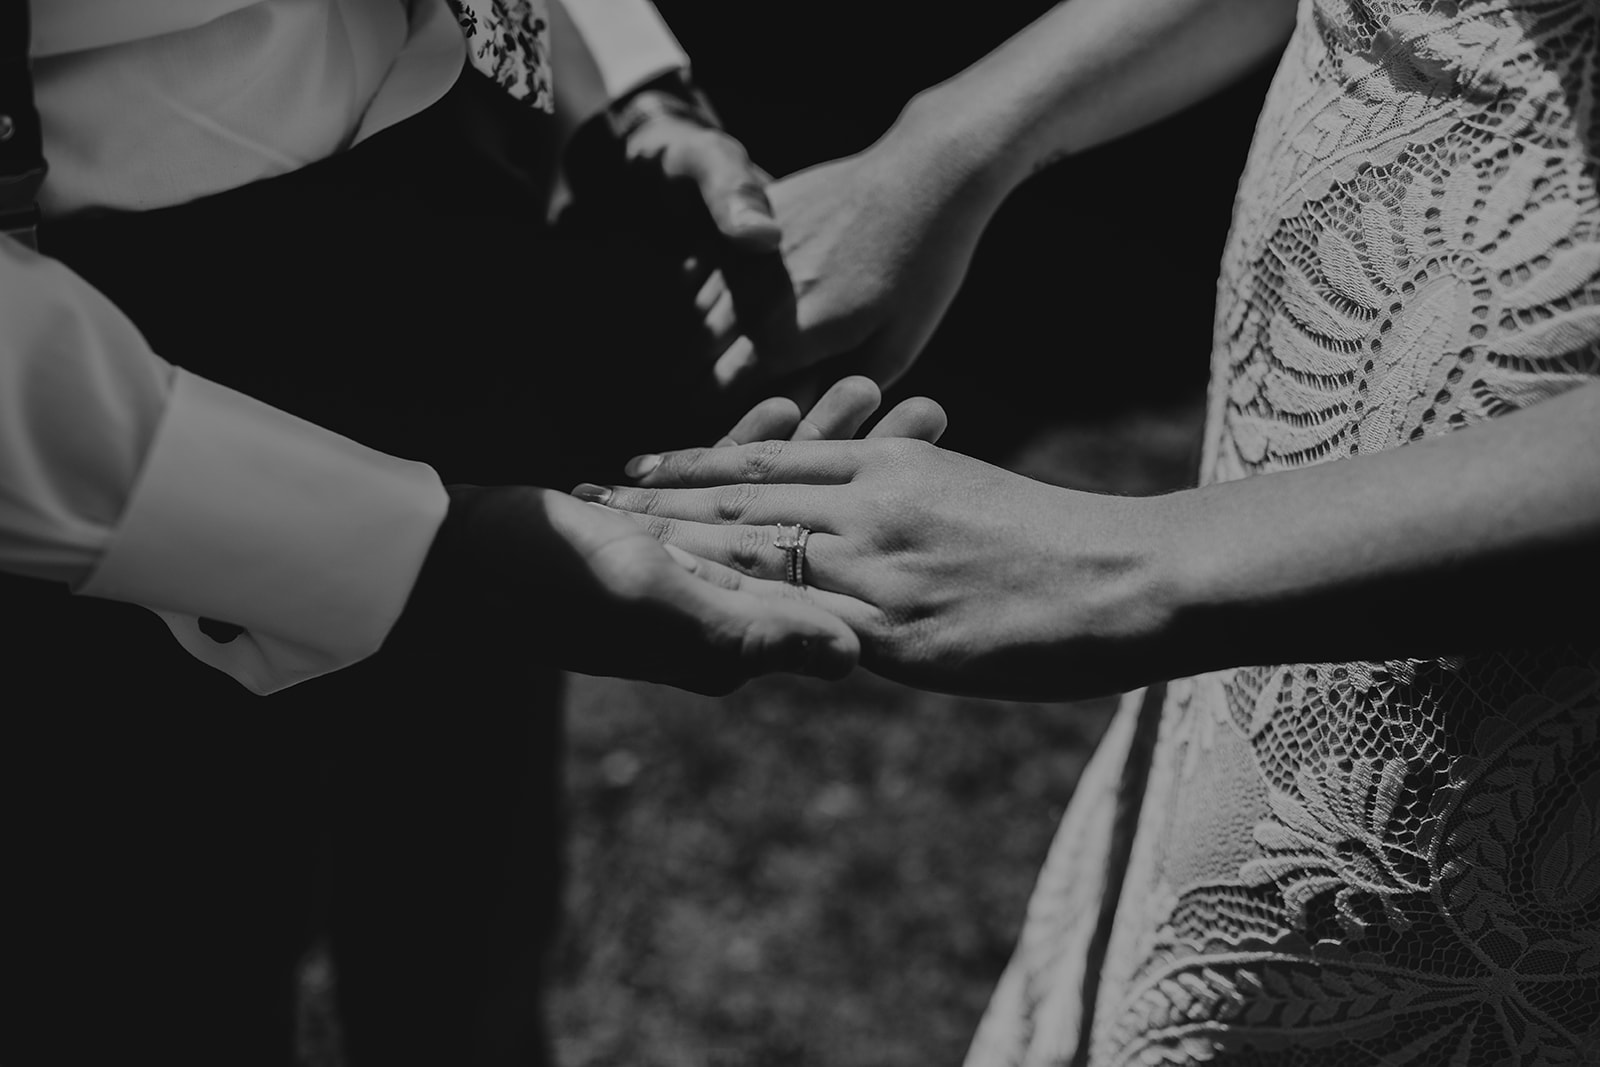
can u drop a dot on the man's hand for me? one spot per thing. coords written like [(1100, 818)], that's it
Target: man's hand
[(659, 164), (594, 593), (958, 576), (676, 143)]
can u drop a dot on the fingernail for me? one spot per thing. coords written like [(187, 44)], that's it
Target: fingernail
[(594, 494), (639, 466), (746, 214)]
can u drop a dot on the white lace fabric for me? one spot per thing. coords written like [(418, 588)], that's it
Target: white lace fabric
[(1361, 863)]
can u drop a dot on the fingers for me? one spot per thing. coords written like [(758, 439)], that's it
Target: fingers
[(841, 411), (755, 505), (772, 631), (858, 615), (734, 194), (713, 286), (918, 417), (736, 364), (696, 272), (728, 325), (790, 633), (719, 320), (773, 419), (753, 550), (768, 627), (805, 390), (808, 462)]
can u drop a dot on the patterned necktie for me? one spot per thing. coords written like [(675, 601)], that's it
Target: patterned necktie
[(509, 40)]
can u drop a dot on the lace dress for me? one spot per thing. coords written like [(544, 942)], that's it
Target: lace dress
[(1361, 863)]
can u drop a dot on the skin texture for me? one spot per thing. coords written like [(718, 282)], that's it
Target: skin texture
[(519, 557), (961, 576), (876, 245), (607, 598), (600, 596), (964, 577)]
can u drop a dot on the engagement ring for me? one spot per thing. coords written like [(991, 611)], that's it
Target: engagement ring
[(792, 539)]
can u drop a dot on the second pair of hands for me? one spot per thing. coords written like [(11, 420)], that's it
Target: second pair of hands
[(873, 249), (593, 590), (845, 267)]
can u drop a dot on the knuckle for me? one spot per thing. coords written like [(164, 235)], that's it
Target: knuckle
[(733, 502), (748, 549), (662, 529), (760, 460), (680, 466), (908, 451), (879, 453), (644, 501), (778, 408)]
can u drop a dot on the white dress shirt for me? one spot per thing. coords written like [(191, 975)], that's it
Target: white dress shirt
[(132, 479)]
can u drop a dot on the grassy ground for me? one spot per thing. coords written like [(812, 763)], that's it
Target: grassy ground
[(810, 874)]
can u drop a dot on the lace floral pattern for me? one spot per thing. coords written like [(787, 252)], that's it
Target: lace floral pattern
[(509, 40), (1371, 862)]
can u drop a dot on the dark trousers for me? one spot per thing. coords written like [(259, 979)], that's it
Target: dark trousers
[(173, 845)]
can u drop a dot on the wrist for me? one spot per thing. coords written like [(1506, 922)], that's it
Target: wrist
[(968, 155), (439, 591), (1122, 598), (598, 156), (673, 93), (1230, 597)]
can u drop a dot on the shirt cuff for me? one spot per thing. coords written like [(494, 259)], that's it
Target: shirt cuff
[(245, 514), (629, 42)]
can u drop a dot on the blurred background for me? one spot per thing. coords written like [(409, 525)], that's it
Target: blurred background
[(810, 874)]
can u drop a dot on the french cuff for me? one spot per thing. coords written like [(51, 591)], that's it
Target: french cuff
[(247, 515), (628, 40)]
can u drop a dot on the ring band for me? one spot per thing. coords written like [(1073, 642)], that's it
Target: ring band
[(792, 539)]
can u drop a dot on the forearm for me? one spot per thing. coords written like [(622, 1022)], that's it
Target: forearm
[(131, 480), (1087, 72), (1468, 541)]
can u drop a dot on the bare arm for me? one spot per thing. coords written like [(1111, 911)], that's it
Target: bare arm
[(1481, 538), (877, 244), (963, 577), (1088, 72)]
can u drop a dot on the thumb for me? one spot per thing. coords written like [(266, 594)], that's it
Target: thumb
[(736, 196), (776, 633), (798, 638)]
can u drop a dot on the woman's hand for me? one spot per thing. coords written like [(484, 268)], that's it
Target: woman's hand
[(957, 575), (838, 415), (875, 246)]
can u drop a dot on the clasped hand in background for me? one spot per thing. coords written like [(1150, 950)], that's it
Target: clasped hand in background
[(874, 247), (845, 267)]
